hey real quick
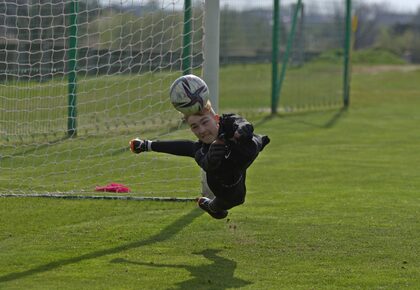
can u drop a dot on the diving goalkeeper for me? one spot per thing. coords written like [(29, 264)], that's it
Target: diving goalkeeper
[(226, 147)]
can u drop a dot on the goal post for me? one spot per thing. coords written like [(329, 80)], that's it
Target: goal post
[(72, 69), (211, 65), (99, 72), (211, 50), (313, 40)]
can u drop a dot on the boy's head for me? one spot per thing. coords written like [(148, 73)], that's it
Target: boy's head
[(204, 124)]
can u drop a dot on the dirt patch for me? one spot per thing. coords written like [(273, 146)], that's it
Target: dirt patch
[(375, 69)]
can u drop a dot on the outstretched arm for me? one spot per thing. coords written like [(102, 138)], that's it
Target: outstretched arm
[(176, 147)]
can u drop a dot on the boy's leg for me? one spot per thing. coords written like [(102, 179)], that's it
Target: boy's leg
[(225, 198), (207, 205), (231, 198)]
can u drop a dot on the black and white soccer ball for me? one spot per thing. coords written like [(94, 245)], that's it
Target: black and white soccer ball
[(189, 94)]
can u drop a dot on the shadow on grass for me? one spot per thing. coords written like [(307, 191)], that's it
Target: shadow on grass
[(335, 118), (168, 232), (219, 274), (265, 119)]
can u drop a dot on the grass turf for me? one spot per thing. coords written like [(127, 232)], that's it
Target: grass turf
[(332, 204)]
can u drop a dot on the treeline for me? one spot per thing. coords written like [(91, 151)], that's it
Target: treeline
[(381, 28)]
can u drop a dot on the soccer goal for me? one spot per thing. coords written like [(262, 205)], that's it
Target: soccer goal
[(311, 50), (79, 79)]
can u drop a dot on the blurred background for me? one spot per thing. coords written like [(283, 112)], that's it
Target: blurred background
[(386, 26), (391, 27)]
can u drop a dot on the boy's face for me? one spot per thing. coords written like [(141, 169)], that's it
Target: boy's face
[(205, 127)]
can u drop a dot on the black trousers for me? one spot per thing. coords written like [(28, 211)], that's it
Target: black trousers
[(227, 196)]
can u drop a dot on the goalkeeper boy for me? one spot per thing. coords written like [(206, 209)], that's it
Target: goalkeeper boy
[(226, 147)]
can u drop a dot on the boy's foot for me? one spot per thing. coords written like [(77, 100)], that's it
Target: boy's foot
[(204, 204)]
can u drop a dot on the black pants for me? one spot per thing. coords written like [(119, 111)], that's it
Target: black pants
[(227, 197)]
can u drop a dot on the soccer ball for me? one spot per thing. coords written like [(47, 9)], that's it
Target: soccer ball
[(189, 94)]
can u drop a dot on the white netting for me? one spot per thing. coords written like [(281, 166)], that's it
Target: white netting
[(128, 53)]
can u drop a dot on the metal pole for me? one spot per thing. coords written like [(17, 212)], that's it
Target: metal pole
[(290, 40), (347, 48), (211, 50), (186, 48), (71, 70), (211, 65), (275, 57)]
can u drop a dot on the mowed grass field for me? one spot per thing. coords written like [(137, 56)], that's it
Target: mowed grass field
[(333, 203)]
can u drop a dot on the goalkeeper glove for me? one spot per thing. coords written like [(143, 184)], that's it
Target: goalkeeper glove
[(137, 145), (235, 128), (244, 132), (227, 127)]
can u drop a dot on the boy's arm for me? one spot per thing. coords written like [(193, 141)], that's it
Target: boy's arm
[(176, 147)]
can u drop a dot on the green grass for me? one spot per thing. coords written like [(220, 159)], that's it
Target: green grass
[(332, 203), (247, 88)]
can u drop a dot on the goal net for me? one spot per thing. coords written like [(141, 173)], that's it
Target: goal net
[(79, 79), (312, 59), (310, 53)]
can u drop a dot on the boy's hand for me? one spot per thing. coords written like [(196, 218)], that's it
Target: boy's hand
[(235, 128), (137, 145), (244, 132), (227, 127)]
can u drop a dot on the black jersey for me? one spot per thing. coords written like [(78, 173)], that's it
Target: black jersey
[(227, 178)]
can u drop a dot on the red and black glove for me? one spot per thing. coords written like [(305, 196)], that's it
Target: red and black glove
[(137, 145)]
